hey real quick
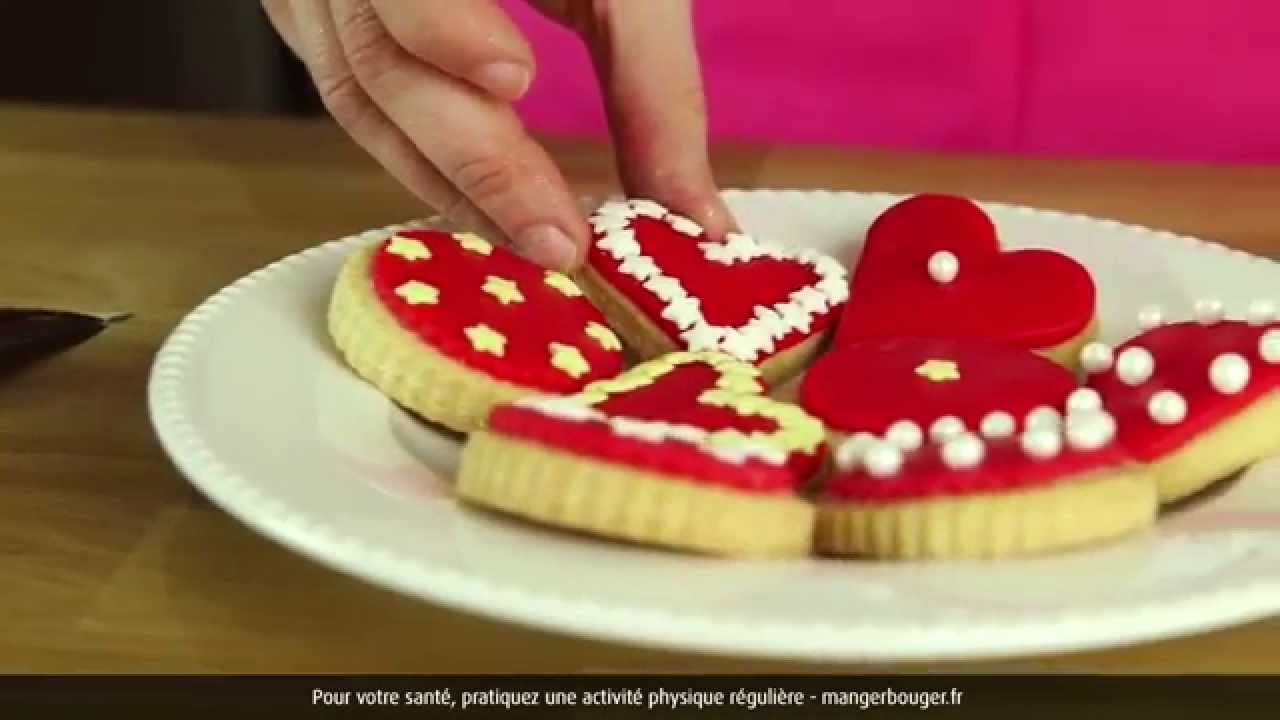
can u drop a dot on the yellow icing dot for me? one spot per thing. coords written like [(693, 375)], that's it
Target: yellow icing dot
[(504, 290), (485, 339), (729, 437), (738, 383), (604, 336), (592, 397), (568, 359), (473, 242), (418, 293), (408, 248), (563, 283), (939, 371)]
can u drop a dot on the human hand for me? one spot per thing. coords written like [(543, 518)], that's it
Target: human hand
[(425, 87)]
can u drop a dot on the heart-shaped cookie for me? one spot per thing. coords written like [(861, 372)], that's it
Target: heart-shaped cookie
[(666, 286), (932, 266), (683, 451)]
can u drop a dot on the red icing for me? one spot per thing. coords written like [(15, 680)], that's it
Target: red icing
[(1004, 468), (1183, 353), (670, 398), (867, 386), (547, 315), (1029, 298), (728, 294)]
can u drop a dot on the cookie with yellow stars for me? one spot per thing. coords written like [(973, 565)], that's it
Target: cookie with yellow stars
[(684, 451), (449, 324)]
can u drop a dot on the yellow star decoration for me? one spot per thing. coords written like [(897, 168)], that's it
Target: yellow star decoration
[(568, 359), (939, 371), (563, 283), (418, 293), (503, 289), (604, 336), (474, 243), (485, 339), (408, 248)]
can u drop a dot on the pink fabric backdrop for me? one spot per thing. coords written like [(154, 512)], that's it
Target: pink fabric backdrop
[(1182, 80)]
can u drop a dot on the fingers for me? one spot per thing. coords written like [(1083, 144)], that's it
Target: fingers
[(646, 56), (473, 139), (472, 40)]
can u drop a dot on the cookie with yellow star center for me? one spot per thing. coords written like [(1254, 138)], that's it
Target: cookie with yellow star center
[(448, 325)]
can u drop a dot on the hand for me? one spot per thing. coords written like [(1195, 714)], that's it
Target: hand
[(425, 87)]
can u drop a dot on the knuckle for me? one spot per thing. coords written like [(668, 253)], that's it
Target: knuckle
[(485, 176), (339, 92), (365, 42)]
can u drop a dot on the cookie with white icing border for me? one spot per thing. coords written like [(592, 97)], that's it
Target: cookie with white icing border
[(449, 325), (666, 286), (932, 266), (1048, 488), (683, 452), (1197, 400)]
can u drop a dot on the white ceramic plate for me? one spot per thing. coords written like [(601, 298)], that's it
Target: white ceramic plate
[(257, 410)]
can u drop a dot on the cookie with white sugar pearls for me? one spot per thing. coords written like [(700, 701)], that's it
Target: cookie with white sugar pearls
[(450, 324), (666, 285), (1197, 400)]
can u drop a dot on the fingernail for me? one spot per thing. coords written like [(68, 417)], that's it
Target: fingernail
[(506, 80), (548, 246)]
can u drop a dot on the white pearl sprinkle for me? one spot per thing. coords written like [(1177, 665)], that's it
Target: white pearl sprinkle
[(1167, 407), (882, 459), (963, 451), (1208, 311), (1083, 399), (945, 428), (1090, 430), (1135, 366), (1150, 317), (1041, 443), (997, 425), (1043, 417), (850, 452), (1096, 357), (944, 266), (1262, 312), (1269, 346), (906, 435), (1229, 373)]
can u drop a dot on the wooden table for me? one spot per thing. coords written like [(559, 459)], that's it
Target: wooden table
[(111, 562)]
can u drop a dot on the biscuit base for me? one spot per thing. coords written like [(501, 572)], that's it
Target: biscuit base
[(1069, 513), (648, 341), (1067, 353), (616, 501), (401, 364), (1243, 439)]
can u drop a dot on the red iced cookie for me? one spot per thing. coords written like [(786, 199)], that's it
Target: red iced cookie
[(932, 266), (666, 286)]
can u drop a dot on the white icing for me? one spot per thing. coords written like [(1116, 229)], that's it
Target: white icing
[(836, 288), (1269, 346), (997, 425), (702, 336), (1150, 317), (667, 289), (1084, 399), (738, 344), (564, 408), (652, 431), (640, 267), (616, 208), (605, 224), (1262, 312), (943, 266), (1208, 311), (758, 335), (794, 316), (682, 224), (1091, 430), (882, 459), (963, 452), (849, 453), (1135, 366), (827, 266), (1043, 417), (648, 208), (906, 435), (1229, 373), (1167, 407), (621, 244), (683, 312), (945, 428), (810, 300), (1041, 443), (1096, 357), (771, 322)]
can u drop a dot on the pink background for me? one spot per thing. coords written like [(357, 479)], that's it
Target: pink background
[(1179, 79)]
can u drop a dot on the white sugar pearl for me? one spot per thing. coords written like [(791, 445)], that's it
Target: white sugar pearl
[(1043, 417), (906, 435), (1150, 317), (1269, 346), (1167, 407), (1135, 366), (882, 459), (1208, 311), (945, 428), (850, 452), (997, 425), (963, 452), (1083, 399), (1229, 373), (1090, 431), (1041, 443), (1096, 357), (944, 266), (1262, 312)]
